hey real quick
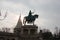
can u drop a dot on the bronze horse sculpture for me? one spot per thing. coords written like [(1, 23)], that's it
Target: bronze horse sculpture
[(30, 18)]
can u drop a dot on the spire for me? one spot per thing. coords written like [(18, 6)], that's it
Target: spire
[(19, 23)]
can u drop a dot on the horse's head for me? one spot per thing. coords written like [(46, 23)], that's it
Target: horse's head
[(36, 16)]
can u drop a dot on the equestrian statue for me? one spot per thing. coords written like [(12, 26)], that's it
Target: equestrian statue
[(30, 18)]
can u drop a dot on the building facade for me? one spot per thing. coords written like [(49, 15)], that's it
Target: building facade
[(21, 32)]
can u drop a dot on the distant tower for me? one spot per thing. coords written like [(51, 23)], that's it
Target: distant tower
[(18, 26)]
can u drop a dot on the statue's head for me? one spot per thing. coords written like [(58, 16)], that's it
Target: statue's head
[(30, 12)]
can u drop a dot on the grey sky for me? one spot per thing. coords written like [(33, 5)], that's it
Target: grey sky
[(48, 10)]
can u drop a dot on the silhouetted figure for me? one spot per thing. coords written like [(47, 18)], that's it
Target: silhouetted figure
[(30, 18), (30, 13)]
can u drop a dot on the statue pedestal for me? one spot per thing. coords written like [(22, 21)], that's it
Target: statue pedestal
[(29, 32), (29, 29)]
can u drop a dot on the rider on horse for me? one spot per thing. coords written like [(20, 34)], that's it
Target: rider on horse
[(30, 18), (30, 15)]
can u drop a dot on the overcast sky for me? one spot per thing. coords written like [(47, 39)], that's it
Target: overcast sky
[(48, 11)]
